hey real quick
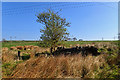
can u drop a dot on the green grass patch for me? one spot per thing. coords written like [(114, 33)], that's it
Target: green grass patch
[(40, 43), (8, 67), (18, 43)]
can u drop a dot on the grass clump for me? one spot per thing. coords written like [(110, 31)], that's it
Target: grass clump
[(8, 67)]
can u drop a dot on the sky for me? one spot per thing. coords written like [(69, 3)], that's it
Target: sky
[(60, 0), (89, 20)]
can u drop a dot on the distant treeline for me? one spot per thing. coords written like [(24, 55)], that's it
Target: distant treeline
[(67, 41)]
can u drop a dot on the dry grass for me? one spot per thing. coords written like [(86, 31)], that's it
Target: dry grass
[(59, 67), (9, 56), (75, 66)]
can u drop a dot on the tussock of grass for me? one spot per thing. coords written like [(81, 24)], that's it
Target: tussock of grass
[(9, 56), (59, 67)]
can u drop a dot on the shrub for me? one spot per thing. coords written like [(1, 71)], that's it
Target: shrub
[(25, 56), (108, 72)]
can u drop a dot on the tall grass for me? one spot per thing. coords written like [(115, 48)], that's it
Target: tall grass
[(106, 65), (60, 67)]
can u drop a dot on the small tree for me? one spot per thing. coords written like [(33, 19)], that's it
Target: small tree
[(74, 38), (80, 39), (54, 28)]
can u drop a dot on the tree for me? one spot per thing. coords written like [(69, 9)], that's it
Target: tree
[(54, 28), (74, 38), (80, 39)]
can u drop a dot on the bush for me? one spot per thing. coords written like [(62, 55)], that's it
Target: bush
[(108, 72), (25, 56), (111, 68)]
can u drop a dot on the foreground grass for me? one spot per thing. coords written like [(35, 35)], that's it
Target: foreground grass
[(60, 67), (8, 68), (75, 66)]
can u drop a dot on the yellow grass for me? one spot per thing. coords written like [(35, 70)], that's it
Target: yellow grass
[(59, 67)]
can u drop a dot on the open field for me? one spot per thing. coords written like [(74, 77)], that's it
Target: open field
[(35, 43), (18, 43), (91, 59)]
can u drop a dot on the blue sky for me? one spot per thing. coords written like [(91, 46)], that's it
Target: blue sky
[(89, 20)]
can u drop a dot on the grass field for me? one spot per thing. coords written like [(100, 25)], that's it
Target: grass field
[(36, 43), (75, 66), (18, 43)]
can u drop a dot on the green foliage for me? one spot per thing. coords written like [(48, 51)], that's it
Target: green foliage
[(108, 72), (54, 27), (6, 65), (17, 62), (25, 56), (111, 67), (7, 72), (43, 44), (100, 50)]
